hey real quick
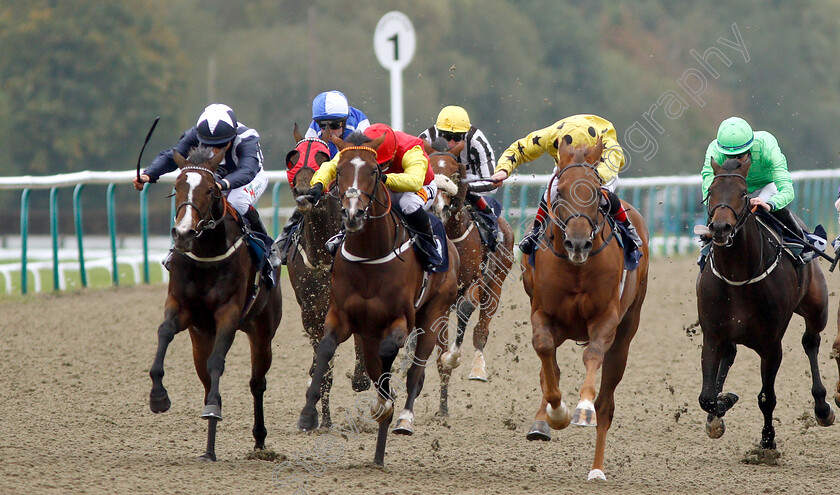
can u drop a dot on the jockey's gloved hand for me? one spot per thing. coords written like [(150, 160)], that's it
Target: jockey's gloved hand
[(383, 177), (315, 192)]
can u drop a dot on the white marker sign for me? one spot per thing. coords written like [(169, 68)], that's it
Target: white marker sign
[(394, 43)]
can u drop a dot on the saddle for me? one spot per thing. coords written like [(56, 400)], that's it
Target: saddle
[(799, 252)]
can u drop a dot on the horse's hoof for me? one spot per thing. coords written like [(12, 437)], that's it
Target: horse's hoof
[(726, 401), (307, 422), (837, 398), (207, 457), (159, 404), (585, 414), (539, 431), (557, 418), (478, 371), (382, 410), (212, 411), (715, 427), (450, 360), (828, 420), (403, 428), (596, 474)]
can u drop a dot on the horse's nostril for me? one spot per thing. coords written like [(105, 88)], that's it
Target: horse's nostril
[(359, 214), (343, 214), (568, 245), (587, 246)]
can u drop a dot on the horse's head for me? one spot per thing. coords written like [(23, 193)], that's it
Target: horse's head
[(197, 195), (358, 177), (578, 194), (449, 177), (303, 161), (727, 200)]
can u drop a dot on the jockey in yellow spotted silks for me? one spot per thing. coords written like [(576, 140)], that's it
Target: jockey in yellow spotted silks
[(583, 130)]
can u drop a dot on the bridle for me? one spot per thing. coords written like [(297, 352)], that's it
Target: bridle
[(564, 224), (353, 192), (207, 222), (740, 217)]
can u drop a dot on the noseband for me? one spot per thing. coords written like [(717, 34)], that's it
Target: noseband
[(207, 222), (353, 192), (564, 224), (740, 217)]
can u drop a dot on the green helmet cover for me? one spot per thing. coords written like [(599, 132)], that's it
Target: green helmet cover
[(734, 136)]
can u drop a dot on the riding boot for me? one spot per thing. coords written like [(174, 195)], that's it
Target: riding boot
[(422, 227), (529, 243), (631, 232), (253, 217), (280, 244), (486, 220), (785, 216), (335, 241)]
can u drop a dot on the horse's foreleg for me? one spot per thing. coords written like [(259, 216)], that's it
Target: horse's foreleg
[(227, 319), (770, 362), (361, 381), (260, 363), (553, 411), (615, 363), (712, 363), (384, 408), (416, 375), (601, 339), (308, 419), (451, 356), (172, 324), (822, 409)]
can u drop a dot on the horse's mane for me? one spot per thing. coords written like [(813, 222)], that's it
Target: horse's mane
[(731, 164), (199, 155), (358, 138), (440, 144)]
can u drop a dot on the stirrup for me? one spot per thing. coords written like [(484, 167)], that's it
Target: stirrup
[(333, 242), (167, 260), (529, 242)]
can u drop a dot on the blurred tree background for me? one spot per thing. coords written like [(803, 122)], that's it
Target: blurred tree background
[(80, 82)]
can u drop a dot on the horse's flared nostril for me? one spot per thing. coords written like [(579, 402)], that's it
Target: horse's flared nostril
[(343, 214), (568, 245), (587, 246)]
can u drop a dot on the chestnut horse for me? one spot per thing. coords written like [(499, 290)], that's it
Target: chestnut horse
[(482, 272), (747, 294), (378, 291), (214, 289), (309, 263), (580, 291)]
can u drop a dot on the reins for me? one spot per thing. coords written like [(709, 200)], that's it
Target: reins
[(596, 227)]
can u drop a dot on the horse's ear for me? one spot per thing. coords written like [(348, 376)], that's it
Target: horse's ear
[(593, 154), (376, 143), (715, 167), (456, 150), (179, 160), (214, 162), (339, 143), (296, 134), (427, 147)]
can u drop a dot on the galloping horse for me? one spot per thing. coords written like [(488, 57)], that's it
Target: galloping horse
[(579, 290), (747, 294), (214, 289), (309, 263), (482, 272), (378, 291)]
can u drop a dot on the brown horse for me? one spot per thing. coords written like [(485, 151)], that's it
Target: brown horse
[(747, 294), (214, 289), (309, 263), (482, 272), (378, 291), (580, 291)]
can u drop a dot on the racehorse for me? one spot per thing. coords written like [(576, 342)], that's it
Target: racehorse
[(482, 272), (580, 290), (378, 291), (747, 294), (309, 263), (214, 289)]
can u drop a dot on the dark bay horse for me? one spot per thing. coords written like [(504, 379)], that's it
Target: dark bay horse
[(747, 294), (214, 289), (309, 263), (580, 291), (378, 292), (482, 272)]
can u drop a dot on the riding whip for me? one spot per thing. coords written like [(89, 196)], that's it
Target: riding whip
[(148, 136)]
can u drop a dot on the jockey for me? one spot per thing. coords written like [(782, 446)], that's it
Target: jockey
[(330, 110), (453, 125), (583, 129), (407, 176), (240, 175), (768, 180)]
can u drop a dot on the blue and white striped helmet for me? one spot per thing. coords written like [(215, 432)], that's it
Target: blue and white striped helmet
[(330, 105)]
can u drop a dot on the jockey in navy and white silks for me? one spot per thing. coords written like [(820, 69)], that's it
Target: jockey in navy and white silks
[(240, 174), (331, 110)]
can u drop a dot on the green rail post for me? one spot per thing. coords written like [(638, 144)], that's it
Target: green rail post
[(506, 202), (112, 232), (24, 239), (77, 220), (54, 234), (144, 233), (275, 201)]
